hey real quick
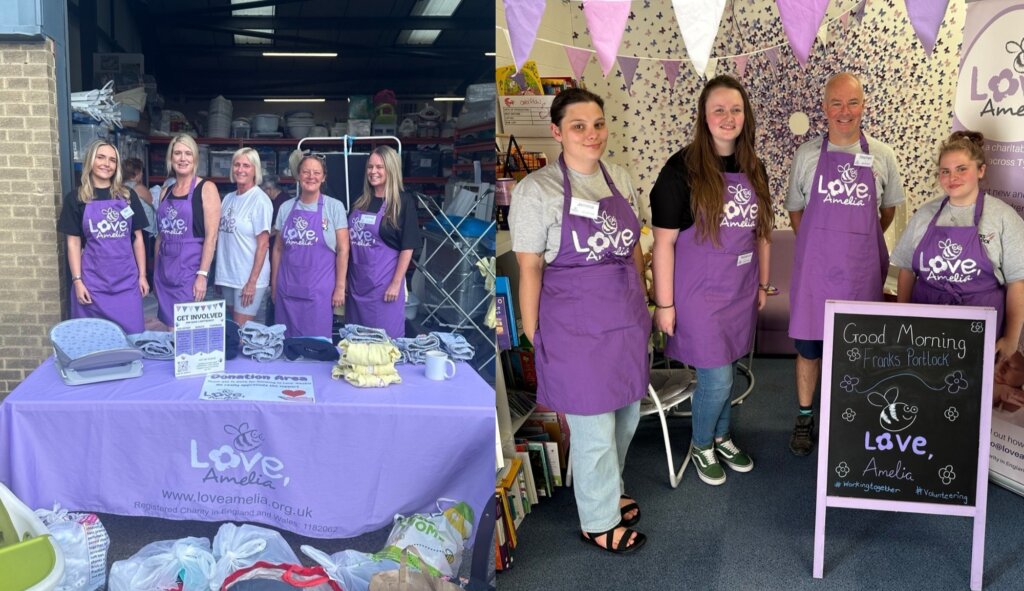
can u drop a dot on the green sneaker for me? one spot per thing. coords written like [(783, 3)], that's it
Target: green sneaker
[(708, 468), (732, 456)]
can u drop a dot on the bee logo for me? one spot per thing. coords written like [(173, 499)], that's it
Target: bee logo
[(111, 214), (740, 194), (609, 225), (950, 249), (246, 439), (301, 224), (847, 173), (1018, 60), (895, 416)]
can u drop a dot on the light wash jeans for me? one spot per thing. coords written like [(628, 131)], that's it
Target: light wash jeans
[(712, 403), (599, 445)]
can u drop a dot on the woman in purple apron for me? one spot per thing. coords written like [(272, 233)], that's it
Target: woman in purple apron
[(384, 232), (187, 222), (103, 221), (953, 261), (310, 257), (583, 306), (712, 219)]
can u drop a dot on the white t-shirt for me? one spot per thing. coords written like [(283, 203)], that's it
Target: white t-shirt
[(242, 218)]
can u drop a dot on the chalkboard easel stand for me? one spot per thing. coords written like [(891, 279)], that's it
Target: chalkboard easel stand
[(942, 316)]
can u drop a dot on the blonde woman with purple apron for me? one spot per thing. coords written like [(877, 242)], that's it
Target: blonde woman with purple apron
[(309, 261), (712, 220), (187, 223), (384, 232), (967, 248), (583, 305), (103, 220)]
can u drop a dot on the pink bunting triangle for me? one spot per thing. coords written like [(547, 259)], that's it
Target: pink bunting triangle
[(628, 66), (845, 19), (773, 56), (671, 72), (740, 61), (801, 20), (926, 18), (606, 20), (578, 59), (523, 18)]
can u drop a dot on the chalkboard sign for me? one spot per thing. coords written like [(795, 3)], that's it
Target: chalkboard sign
[(905, 408)]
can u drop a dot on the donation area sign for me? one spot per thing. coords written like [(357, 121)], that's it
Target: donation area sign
[(906, 411)]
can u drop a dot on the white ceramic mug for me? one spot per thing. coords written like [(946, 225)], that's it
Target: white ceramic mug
[(436, 366)]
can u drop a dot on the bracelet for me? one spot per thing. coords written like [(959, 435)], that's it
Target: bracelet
[(203, 273), (672, 305), (76, 278)]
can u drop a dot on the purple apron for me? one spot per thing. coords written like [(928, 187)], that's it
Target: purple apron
[(840, 251), (180, 254), (370, 269), (952, 267), (593, 326), (305, 281), (716, 288), (109, 268)]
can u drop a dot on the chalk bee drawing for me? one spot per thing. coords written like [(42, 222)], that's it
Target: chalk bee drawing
[(895, 416)]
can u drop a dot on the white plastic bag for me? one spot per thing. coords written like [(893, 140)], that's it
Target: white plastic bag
[(84, 542), (160, 565), (439, 538), (236, 547), (351, 568)]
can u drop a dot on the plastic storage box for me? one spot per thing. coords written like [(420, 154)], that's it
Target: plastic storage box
[(220, 163)]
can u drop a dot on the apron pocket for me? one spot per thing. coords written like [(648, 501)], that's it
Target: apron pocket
[(725, 280), (295, 284), (607, 301)]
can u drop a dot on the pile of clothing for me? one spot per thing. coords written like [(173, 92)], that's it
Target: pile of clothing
[(262, 342), (367, 364)]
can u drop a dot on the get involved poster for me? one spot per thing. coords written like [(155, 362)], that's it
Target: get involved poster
[(990, 99)]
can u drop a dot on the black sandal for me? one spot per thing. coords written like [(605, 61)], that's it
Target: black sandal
[(623, 546), (626, 509)]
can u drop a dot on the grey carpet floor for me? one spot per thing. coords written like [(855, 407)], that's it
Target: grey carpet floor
[(756, 531)]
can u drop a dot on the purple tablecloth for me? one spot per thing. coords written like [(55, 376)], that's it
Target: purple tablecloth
[(337, 468)]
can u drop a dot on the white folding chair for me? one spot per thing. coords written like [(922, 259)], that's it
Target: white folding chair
[(667, 390)]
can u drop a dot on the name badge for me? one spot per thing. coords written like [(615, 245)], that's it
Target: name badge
[(583, 208), (127, 212), (744, 259), (367, 218), (863, 160)]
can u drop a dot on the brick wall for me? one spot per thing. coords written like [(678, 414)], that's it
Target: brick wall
[(30, 277)]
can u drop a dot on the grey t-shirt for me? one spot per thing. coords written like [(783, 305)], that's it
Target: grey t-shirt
[(888, 183), (334, 217), (1001, 230), (535, 214)]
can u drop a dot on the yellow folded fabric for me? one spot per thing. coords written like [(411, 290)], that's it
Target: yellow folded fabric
[(369, 353), (367, 376)]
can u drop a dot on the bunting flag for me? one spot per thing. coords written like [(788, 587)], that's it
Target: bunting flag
[(926, 18), (606, 20), (740, 61), (823, 34), (858, 12), (801, 20), (578, 59), (845, 19), (698, 22), (628, 67), (671, 72), (523, 17), (709, 72), (772, 53)]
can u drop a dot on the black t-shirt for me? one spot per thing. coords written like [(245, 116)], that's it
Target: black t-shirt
[(670, 196), (407, 235), (73, 212), (198, 221)]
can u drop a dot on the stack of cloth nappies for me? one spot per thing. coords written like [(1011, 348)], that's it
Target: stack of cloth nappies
[(154, 344), (367, 365), (455, 345), (357, 333), (415, 350), (262, 342)]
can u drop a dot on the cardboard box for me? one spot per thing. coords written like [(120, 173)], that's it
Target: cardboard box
[(526, 116)]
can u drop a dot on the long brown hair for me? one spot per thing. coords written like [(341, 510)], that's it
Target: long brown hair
[(704, 166)]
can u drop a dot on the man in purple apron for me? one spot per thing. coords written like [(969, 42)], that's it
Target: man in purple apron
[(371, 268), (840, 252), (109, 262), (974, 283), (178, 260), (307, 274)]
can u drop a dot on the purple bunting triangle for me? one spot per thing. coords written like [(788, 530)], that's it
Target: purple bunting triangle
[(671, 71), (628, 67), (773, 55), (523, 18), (578, 59), (801, 20), (740, 62), (606, 20), (858, 12), (926, 18)]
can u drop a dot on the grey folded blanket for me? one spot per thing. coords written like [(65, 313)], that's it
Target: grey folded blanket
[(262, 342), (456, 345), (414, 350), (154, 344)]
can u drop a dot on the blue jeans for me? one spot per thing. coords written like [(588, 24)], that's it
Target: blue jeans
[(599, 446), (712, 403)]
